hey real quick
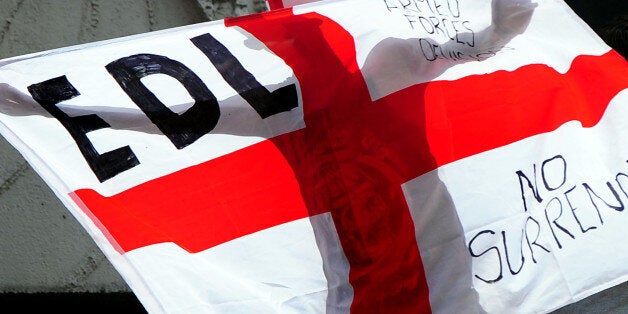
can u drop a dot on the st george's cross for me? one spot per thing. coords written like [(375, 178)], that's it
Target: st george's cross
[(360, 141)]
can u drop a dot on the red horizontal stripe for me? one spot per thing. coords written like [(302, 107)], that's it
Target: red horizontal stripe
[(483, 112), (254, 188), (204, 205)]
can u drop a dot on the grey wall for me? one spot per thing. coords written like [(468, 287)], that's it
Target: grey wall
[(42, 247)]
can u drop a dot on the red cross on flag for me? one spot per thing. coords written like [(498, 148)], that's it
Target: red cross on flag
[(364, 156)]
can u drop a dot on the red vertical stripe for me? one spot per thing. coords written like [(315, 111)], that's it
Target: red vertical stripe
[(345, 164)]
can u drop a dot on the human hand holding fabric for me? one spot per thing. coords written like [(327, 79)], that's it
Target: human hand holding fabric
[(510, 17)]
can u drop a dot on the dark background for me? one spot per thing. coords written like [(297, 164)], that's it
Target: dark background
[(597, 12)]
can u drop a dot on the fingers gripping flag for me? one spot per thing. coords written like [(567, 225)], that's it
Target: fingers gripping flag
[(346, 156), (280, 4)]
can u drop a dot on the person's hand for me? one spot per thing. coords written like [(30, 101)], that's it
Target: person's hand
[(512, 16)]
